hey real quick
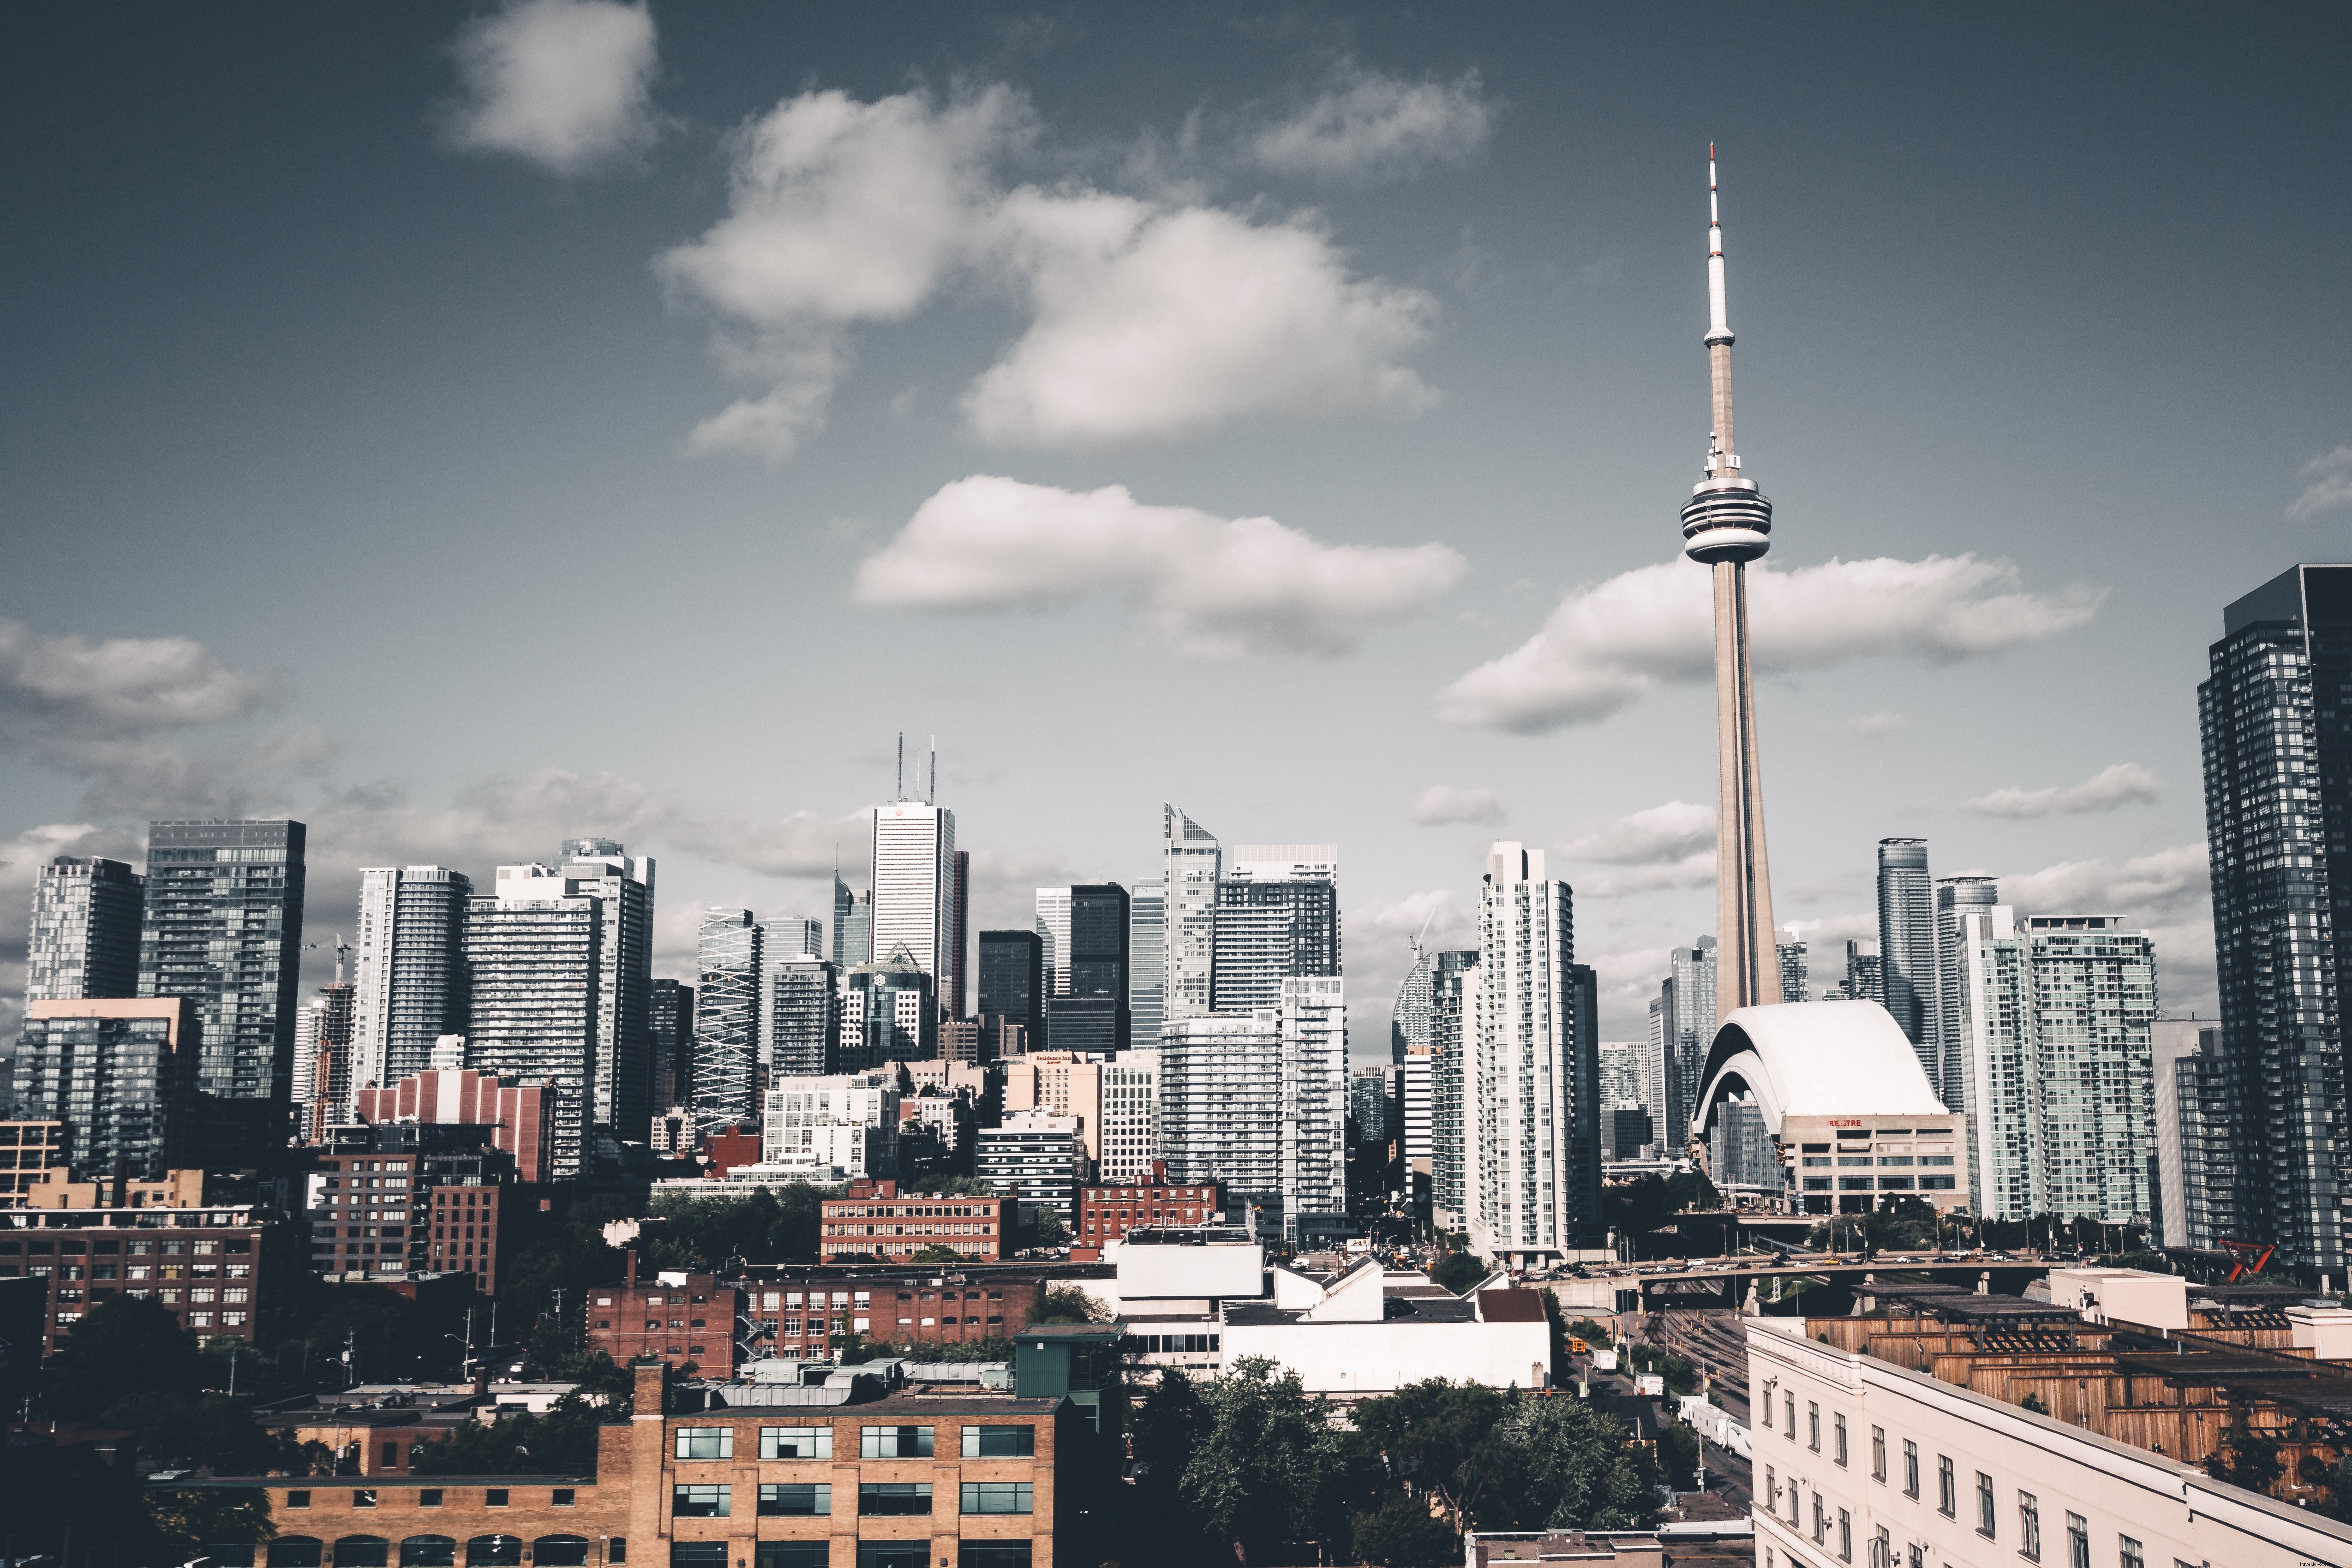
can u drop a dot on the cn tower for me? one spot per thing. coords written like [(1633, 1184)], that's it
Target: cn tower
[(1727, 524)]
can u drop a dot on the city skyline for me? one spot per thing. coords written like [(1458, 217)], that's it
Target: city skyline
[(1507, 388)]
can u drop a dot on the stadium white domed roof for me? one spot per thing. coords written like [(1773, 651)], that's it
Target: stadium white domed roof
[(1815, 1058)]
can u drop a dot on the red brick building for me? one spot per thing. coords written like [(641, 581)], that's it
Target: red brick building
[(680, 1319), (800, 1308), (875, 1219), (727, 1149), (467, 1231), (1107, 1211), (519, 1114), (201, 1265)]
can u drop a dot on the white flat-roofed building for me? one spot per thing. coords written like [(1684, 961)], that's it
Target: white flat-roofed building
[(1037, 1157), (1865, 1462), (818, 1122), (1371, 1332)]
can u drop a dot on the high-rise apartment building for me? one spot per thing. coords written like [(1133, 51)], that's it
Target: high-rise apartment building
[(119, 1073), (1278, 916), (623, 885), (802, 1014), (1409, 1017), (408, 981), (1054, 939), (1621, 1075), (728, 960), (1011, 987), (1412, 1080), (914, 887), (223, 927), (1147, 955), (1221, 1102), (1192, 864), (2191, 1096), (534, 958), (670, 1032), (1864, 979), (1368, 1106), (322, 1058), (852, 926), (1453, 990), (2277, 735), (85, 938), (1314, 1066), (797, 936), (1796, 977), (1906, 948), (2058, 1010), (1656, 1048), (1687, 1019), (1955, 898), (1740, 1148), (1128, 1106), (1531, 1077)]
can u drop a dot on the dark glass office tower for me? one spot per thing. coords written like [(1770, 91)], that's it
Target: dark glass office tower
[(1011, 987), (1098, 968), (1907, 949), (2276, 713), (1266, 932), (669, 1033), (224, 929)]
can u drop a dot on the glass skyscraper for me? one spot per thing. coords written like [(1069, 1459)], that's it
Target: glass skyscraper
[(1955, 897), (223, 928), (85, 937), (1146, 953), (670, 1032), (1012, 986), (409, 978), (727, 1020), (1194, 864), (1907, 949), (2276, 716)]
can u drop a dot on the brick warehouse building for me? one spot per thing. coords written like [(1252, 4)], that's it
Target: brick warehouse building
[(683, 1319), (969, 1478), (1109, 1210), (215, 1267), (799, 1308), (873, 1218)]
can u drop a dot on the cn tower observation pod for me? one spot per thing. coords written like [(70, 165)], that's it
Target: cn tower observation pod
[(1842, 1093)]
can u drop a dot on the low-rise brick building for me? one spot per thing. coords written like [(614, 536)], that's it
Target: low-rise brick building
[(467, 1230), (208, 1266), (801, 1310), (28, 1150), (875, 1219), (683, 1319), (1109, 1210), (969, 1477)]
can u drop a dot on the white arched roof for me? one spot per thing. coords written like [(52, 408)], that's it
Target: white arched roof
[(1815, 1058)]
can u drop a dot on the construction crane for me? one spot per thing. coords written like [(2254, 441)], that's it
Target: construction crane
[(339, 946)]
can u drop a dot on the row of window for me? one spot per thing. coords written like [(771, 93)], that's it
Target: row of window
[(873, 1442), (416, 1552), (430, 1497), (870, 1554), (803, 1500), (1947, 1497)]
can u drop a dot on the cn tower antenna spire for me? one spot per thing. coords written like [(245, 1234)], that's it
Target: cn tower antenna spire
[(1728, 523)]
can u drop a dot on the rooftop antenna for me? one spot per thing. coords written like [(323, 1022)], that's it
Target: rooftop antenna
[(902, 765), (933, 798)]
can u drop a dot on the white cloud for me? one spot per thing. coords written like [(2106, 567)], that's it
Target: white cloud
[(1154, 322), (1148, 319), (1657, 836), (1868, 726), (1379, 954), (1213, 586), (70, 686), (2102, 791), (1608, 645), (561, 83), (2166, 893), (1442, 803), (1370, 124), (2328, 485)]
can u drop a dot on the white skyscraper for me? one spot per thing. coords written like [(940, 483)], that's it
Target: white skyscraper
[(1221, 1104), (533, 951), (1531, 1077), (1053, 932), (1194, 865), (1313, 1022), (409, 977), (622, 886), (1129, 1107), (914, 886)]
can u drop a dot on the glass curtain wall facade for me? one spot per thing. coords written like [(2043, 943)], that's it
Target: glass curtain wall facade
[(727, 1020), (119, 1073), (1906, 948), (1453, 991), (1147, 952), (669, 1029), (1011, 986), (223, 927), (1193, 863), (85, 937), (2276, 717)]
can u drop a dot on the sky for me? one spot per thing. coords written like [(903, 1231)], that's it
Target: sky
[(464, 429)]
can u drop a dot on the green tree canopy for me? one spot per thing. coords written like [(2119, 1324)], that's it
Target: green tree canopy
[(1458, 1271), (1509, 1461), (1268, 1467), (123, 1345), (1068, 1304), (560, 1443)]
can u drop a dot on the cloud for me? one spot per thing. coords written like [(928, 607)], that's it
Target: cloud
[(73, 687), (2328, 485), (1372, 125), (561, 83), (1654, 836), (1214, 587), (1154, 322), (1867, 726), (1609, 644), (1148, 318), (2166, 893), (1442, 803), (2104, 791)]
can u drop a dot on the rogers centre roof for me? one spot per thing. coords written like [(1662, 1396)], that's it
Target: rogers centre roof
[(1816, 1058)]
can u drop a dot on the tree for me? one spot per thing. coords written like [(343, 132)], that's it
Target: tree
[(208, 1429), (1441, 1436), (1458, 1271), (1509, 1461), (1052, 1230), (123, 1345), (560, 1443), (1268, 1467), (936, 1253), (1068, 1304), (188, 1521), (1402, 1534), (1688, 1190)]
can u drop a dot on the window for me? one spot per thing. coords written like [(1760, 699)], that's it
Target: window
[(428, 1496), (559, 1551), (616, 1551), (298, 1500), (362, 1551), (1839, 1435), (1878, 1454), (428, 1552), (894, 1554), (363, 1498), (492, 1552), (295, 1551), (1764, 1408), (997, 1496), (1845, 1536), (1881, 1550), (796, 1442), (793, 1500), (2078, 1541), (1948, 1488), (1918, 1555), (494, 1497), (706, 1442), (699, 1500), (2029, 1527), (794, 1555), (992, 1554), (1788, 1411), (697, 1554), (1910, 1469), (1000, 1443), (893, 1497), (895, 1443), (1813, 1427), (560, 1497), (2127, 1554), (1821, 1528), (1771, 1490)]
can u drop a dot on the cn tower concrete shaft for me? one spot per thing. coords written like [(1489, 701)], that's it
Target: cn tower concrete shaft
[(1747, 963)]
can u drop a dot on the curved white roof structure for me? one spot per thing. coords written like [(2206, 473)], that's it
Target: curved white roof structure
[(1815, 1058)]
